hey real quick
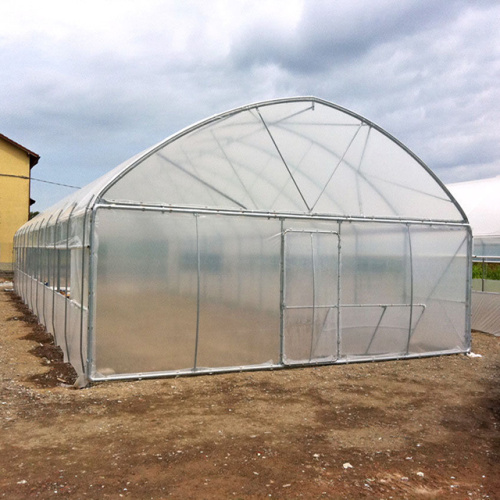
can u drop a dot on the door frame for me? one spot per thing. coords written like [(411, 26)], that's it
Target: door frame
[(283, 283)]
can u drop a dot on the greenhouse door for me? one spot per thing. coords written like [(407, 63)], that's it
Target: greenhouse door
[(310, 296)]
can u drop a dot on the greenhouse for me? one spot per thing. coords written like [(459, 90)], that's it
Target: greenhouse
[(284, 233), (479, 200)]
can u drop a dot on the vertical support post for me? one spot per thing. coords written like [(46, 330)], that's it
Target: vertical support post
[(37, 268), (468, 289), (82, 293), (31, 265), (55, 280), (339, 290), (26, 266), (24, 280), (91, 294), (34, 268), (198, 268), (411, 290), (66, 297), (313, 322), (23, 265), (15, 259), (261, 276), (483, 274), (47, 259), (44, 269), (18, 263), (282, 294), (13, 255)]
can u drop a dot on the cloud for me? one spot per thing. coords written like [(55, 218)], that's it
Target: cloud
[(332, 33), (88, 85), (425, 71)]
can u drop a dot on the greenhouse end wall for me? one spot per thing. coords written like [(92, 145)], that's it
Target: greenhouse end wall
[(192, 293)]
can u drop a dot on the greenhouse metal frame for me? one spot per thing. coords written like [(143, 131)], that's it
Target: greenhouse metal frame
[(284, 233)]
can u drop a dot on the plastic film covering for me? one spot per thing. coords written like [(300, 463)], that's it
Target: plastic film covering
[(239, 320), (299, 156), (203, 292), (402, 294), (146, 288), (441, 282), (376, 300)]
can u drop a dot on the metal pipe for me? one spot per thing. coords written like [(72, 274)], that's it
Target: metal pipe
[(283, 160), (384, 309), (311, 231), (411, 290), (330, 306), (313, 323), (46, 265), (341, 159), (82, 293), (486, 258), (198, 276), (277, 215), (250, 368), (67, 297), (56, 276), (92, 295), (38, 267), (483, 275), (282, 293), (468, 292), (339, 289), (33, 272)]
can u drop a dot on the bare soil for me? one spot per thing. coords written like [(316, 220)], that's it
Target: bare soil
[(425, 428)]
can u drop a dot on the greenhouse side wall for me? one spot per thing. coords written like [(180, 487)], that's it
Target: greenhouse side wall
[(51, 276)]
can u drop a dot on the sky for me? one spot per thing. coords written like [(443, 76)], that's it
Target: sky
[(87, 85)]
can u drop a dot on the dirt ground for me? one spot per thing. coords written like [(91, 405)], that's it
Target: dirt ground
[(418, 429)]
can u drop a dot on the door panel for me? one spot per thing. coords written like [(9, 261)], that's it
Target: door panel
[(310, 306)]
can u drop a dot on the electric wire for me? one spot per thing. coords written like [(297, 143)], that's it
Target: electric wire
[(40, 180)]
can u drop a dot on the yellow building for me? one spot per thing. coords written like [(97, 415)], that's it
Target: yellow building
[(16, 163)]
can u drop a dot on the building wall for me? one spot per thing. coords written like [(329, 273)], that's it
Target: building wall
[(14, 198)]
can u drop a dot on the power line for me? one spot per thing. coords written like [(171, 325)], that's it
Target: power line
[(39, 180), (56, 183)]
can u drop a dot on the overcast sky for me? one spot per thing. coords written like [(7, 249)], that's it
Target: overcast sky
[(86, 85)]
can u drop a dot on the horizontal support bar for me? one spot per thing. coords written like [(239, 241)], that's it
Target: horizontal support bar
[(310, 231), (383, 305), (276, 215), (213, 371), (311, 307), (352, 305)]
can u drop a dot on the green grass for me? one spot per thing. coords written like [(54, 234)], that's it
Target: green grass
[(491, 271)]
